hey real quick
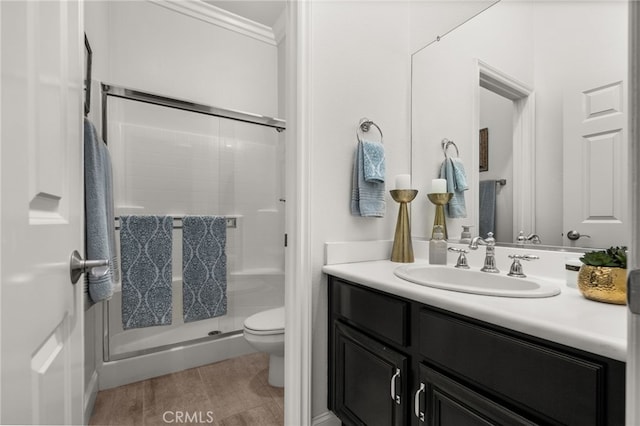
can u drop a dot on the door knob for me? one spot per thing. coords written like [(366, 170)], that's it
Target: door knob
[(574, 235), (633, 291), (78, 266)]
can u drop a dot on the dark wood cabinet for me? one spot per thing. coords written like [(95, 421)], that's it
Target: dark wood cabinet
[(442, 401), (370, 386), (451, 370), (553, 385)]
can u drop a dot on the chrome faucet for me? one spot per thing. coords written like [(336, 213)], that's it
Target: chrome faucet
[(461, 263), (516, 266), (534, 238), (490, 258)]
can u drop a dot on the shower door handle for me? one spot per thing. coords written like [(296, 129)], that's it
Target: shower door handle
[(78, 266)]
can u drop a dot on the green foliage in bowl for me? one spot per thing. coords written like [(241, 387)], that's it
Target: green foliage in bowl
[(614, 257)]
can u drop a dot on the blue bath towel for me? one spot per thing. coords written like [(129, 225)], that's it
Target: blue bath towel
[(204, 267), (487, 197), (452, 170), (99, 221), (373, 161), (367, 198), (145, 248)]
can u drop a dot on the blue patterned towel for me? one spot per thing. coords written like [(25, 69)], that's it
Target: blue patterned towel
[(373, 161), (452, 170), (145, 249), (204, 267), (367, 198)]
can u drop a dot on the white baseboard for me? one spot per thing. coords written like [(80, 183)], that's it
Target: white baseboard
[(326, 419), (90, 394)]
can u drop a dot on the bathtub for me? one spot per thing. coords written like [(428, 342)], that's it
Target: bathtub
[(139, 354)]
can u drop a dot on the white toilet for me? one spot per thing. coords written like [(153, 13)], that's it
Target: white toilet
[(265, 332)]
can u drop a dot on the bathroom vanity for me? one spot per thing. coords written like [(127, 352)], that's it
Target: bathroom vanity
[(403, 354)]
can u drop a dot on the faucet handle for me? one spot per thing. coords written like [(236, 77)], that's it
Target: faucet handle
[(516, 266), (462, 258), (490, 240)]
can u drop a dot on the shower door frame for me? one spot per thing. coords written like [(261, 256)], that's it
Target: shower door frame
[(122, 92), (181, 104)]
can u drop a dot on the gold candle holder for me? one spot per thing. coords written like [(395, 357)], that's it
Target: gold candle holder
[(402, 248), (440, 200)]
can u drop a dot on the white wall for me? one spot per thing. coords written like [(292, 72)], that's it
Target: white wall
[(432, 18), (360, 68), (156, 49)]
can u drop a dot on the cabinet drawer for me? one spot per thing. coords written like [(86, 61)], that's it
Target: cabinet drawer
[(381, 314), (549, 383)]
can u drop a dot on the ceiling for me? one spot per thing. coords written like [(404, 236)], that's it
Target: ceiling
[(265, 12)]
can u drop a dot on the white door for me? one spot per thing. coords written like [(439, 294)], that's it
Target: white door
[(595, 164), (41, 212)]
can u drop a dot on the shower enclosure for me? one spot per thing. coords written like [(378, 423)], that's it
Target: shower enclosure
[(172, 157)]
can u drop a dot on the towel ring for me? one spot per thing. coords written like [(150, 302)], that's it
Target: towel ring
[(364, 126), (445, 146)]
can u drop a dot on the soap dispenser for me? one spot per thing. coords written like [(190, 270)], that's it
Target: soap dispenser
[(438, 247), (465, 236)]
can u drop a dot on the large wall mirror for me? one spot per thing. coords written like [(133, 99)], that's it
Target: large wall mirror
[(545, 83)]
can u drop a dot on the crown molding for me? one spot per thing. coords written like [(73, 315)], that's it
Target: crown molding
[(280, 27), (216, 16)]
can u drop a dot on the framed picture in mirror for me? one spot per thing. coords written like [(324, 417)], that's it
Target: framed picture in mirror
[(484, 149), (88, 54)]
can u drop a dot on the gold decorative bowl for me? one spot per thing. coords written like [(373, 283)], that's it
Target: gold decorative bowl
[(603, 284)]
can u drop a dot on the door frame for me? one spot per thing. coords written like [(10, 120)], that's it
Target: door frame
[(523, 141), (298, 268), (633, 321)]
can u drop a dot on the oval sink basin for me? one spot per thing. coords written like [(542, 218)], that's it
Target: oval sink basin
[(475, 281)]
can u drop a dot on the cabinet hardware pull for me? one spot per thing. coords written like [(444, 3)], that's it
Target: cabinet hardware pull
[(416, 403), (395, 397)]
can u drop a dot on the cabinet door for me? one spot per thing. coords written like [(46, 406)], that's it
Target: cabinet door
[(443, 402), (370, 380)]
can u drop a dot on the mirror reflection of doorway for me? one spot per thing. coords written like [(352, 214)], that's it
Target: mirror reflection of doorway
[(496, 163), (506, 108)]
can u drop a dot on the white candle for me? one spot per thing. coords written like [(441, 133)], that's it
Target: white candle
[(403, 181), (438, 186)]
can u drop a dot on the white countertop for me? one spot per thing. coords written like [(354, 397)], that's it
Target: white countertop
[(567, 318)]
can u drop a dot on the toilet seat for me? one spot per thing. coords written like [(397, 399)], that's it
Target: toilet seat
[(267, 322)]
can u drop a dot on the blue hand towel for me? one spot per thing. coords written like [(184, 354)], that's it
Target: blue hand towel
[(373, 161), (99, 221), (367, 198), (487, 197), (452, 170), (204, 267), (145, 247)]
